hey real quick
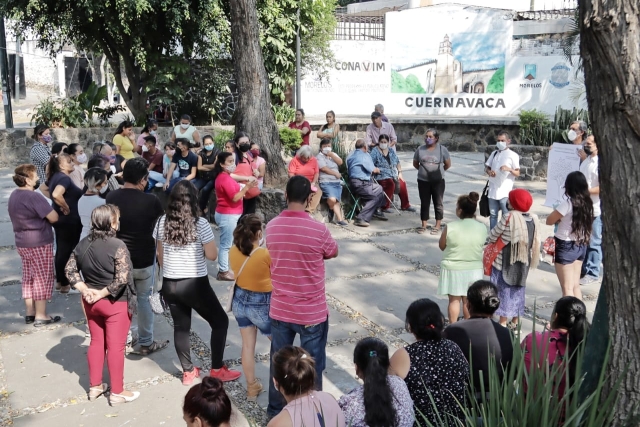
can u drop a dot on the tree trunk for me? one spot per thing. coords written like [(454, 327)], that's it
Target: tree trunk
[(254, 114), (611, 55)]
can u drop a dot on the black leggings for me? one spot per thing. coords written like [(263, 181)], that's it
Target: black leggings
[(67, 238), (427, 191), (184, 295), (249, 206)]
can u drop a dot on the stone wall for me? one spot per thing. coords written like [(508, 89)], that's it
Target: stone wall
[(533, 161), (455, 136)]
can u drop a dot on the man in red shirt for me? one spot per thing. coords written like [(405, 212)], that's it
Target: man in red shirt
[(298, 246)]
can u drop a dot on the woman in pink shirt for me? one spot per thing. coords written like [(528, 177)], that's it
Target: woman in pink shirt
[(229, 208), (306, 165)]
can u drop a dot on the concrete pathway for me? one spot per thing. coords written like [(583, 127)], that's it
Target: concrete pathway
[(379, 272)]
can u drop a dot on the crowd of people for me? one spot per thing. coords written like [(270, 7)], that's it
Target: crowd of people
[(96, 230)]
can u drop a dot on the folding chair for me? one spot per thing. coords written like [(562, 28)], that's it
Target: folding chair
[(356, 201), (390, 201)]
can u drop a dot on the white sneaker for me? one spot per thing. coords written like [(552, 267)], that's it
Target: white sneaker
[(589, 280), (159, 185)]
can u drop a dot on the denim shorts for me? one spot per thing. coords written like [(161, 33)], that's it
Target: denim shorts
[(568, 252), (252, 309), (331, 190)]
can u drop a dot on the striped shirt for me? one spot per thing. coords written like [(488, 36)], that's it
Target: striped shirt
[(298, 246), (182, 262), (503, 230), (39, 157)]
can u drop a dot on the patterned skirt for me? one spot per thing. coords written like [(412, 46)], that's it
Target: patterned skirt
[(511, 297), (37, 272)]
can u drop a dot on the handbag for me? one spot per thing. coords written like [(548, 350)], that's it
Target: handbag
[(491, 252), (252, 192), (484, 202), (232, 289), (158, 305)]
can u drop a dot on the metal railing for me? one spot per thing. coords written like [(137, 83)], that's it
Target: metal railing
[(356, 27)]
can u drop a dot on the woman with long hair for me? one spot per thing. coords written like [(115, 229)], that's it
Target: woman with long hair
[(251, 265), (184, 242), (40, 154), (384, 399), (462, 242), (100, 268), (31, 217), (79, 158), (294, 376), (150, 129), (228, 208), (124, 139), (574, 217), (434, 368), (517, 231), (558, 345), (65, 195), (207, 405), (331, 129)]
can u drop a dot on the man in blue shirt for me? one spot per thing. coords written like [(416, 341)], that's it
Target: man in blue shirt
[(360, 168)]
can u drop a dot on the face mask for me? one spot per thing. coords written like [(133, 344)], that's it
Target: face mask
[(230, 169), (255, 152), (144, 149), (112, 170), (587, 150), (112, 159), (170, 153), (572, 135), (244, 147), (47, 138), (184, 125), (209, 147), (153, 133), (501, 145), (36, 185), (104, 189), (384, 146), (429, 141), (326, 150), (82, 158)]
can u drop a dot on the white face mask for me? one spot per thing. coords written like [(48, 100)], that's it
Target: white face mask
[(384, 146), (82, 158), (326, 150), (184, 125), (230, 169), (153, 133), (144, 149), (572, 135), (501, 145), (104, 188)]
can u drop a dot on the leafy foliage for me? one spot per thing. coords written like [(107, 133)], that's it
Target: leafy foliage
[(410, 84), (284, 113), (537, 129), (290, 139), (496, 84), (220, 138)]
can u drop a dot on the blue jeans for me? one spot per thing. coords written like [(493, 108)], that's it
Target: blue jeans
[(173, 183), (143, 281), (227, 223), (312, 338), (252, 309), (495, 206), (591, 265)]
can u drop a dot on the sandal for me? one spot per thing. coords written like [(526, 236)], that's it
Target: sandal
[(155, 346), (97, 391), (421, 230), (29, 319), (435, 231), (52, 319), (116, 399)]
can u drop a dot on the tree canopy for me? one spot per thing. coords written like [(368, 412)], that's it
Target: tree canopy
[(151, 45)]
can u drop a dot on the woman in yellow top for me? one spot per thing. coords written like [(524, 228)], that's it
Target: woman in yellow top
[(252, 296), (123, 140)]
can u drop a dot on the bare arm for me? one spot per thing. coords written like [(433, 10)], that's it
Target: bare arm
[(447, 164), (210, 250), (442, 244), (262, 170), (242, 178), (160, 254), (52, 217), (336, 158), (240, 194), (554, 218), (400, 363), (594, 190), (58, 197), (196, 136), (192, 175), (416, 164)]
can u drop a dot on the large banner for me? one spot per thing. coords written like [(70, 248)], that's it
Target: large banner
[(448, 60)]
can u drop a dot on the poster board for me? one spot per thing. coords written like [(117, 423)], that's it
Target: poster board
[(563, 159)]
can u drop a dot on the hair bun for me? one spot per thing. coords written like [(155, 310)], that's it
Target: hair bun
[(492, 302), (474, 197), (211, 387)]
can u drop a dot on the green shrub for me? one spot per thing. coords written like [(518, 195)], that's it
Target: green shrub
[(221, 137), (537, 129), (284, 114), (291, 139), (47, 112)]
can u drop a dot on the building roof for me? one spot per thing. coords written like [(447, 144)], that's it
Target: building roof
[(430, 61)]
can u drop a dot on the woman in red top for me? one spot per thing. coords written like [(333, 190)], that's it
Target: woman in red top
[(302, 125), (306, 165), (228, 209)]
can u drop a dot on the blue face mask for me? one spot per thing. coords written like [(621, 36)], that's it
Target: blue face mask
[(209, 147)]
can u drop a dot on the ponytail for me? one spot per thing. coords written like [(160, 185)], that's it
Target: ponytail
[(371, 356), (245, 233), (571, 314), (54, 164)]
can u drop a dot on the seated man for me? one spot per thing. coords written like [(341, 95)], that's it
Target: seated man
[(360, 167)]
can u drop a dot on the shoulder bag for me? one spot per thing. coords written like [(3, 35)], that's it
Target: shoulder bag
[(491, 252), (484, 199), (434, 173), (158, 305), (232, 289)]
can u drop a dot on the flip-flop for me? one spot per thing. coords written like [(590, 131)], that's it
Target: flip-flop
[(421, 230), (52, 319), (435, 231)]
